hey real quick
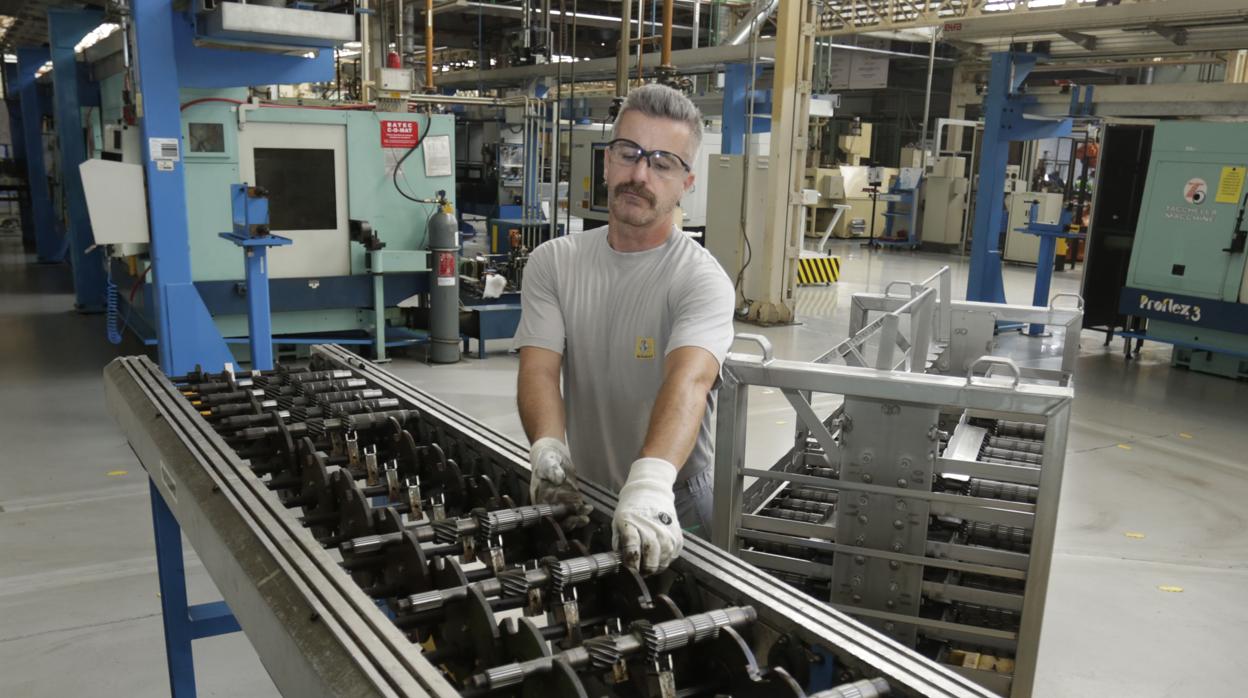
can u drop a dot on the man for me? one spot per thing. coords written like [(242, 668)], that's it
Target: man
[(638, 318)]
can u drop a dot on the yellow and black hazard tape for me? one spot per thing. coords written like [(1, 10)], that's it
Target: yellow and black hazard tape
[(818, 270)]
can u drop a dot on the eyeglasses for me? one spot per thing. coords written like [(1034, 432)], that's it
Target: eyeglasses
[(667, 165)]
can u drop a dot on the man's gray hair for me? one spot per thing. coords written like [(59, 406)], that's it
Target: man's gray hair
[(661, 101)]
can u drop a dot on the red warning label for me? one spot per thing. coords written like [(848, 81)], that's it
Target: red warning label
[(399, 134), (446, 264)]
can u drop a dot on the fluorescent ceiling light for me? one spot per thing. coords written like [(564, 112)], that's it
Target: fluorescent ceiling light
[(95, 36)]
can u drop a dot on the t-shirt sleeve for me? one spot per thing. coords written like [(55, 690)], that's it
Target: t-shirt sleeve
[(703, 314), (541, 318)]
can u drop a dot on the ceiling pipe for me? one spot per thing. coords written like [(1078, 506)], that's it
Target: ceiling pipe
[(621, 56), (665, 61), (429, 46), (746, 26)]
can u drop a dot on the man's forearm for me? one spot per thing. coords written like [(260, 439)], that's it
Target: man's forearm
[(541, 405), (678, 411)]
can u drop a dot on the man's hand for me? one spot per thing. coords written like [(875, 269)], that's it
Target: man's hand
[(646, 532), (554, 481)]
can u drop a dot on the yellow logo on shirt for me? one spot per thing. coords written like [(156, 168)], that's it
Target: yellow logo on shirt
[(645, 348)]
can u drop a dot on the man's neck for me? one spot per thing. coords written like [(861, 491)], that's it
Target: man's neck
[(626, 238)]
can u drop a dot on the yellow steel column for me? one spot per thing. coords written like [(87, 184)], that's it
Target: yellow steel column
[(790, 111)]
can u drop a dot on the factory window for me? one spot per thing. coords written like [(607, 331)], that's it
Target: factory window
[(300, 182), (205, 138)]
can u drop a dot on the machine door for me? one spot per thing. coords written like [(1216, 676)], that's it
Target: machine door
[(304, 168), (1185, 227)]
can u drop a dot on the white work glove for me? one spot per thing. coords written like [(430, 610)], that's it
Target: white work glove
[(554, 480), (646, 532)]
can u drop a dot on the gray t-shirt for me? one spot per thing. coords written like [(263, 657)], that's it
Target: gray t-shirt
[(614, 316)]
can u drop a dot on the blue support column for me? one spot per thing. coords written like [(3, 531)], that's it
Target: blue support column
[(984, 282), (1004, 121), (65, 29), (736, 85), (185, 331), (49, 244), (14, 104)]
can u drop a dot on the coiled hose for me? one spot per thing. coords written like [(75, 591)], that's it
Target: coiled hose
[(112, 317)]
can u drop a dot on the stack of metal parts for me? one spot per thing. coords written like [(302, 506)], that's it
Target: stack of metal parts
[(923, 504), (367, 535)]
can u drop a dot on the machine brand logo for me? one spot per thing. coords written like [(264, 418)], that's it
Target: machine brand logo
[(399, 134), (1185, 311), (1191, 213), (1196, 191)]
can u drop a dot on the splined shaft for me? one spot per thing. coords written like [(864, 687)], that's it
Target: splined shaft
[(653, 640)]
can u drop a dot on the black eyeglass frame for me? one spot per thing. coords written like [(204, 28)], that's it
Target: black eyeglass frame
[(644, 154)]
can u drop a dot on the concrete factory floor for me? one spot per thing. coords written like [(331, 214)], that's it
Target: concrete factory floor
[(1155, 481)]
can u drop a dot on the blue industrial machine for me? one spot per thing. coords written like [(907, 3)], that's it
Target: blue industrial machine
[(323, 169), (1187, 284)]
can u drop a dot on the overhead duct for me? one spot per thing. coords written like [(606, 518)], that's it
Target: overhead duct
[(746, 26)]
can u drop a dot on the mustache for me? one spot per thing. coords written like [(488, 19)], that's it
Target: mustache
[(635, 189)]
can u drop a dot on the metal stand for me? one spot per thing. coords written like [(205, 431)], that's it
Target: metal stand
[(183, 623), (1046, 258), (251, 232)]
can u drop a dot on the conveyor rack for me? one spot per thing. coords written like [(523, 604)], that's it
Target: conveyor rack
[(942, 491), (369, 548)]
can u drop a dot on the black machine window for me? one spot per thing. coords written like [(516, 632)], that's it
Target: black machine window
[(204, 137), (598, 195), (300, 182)]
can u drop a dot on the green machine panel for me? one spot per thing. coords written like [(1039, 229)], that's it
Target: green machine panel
[(1187, 274), (1195, 191)]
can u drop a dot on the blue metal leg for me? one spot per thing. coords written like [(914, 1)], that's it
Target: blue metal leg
[(1044, 277), (259, 324), (183, 623), (173, 606)]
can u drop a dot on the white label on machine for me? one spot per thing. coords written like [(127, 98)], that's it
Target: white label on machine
[(444, 281), (438, 156), (164, 149)]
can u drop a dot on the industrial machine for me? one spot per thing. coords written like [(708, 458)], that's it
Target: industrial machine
[(372, 540), (326, 170), (924, 501), (945, 190), (1186, 284), (847, 185), (587, 195)]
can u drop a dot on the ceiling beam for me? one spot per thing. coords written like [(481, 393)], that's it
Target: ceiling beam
[(583, 19), (1174, 35), (1085, 41)]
